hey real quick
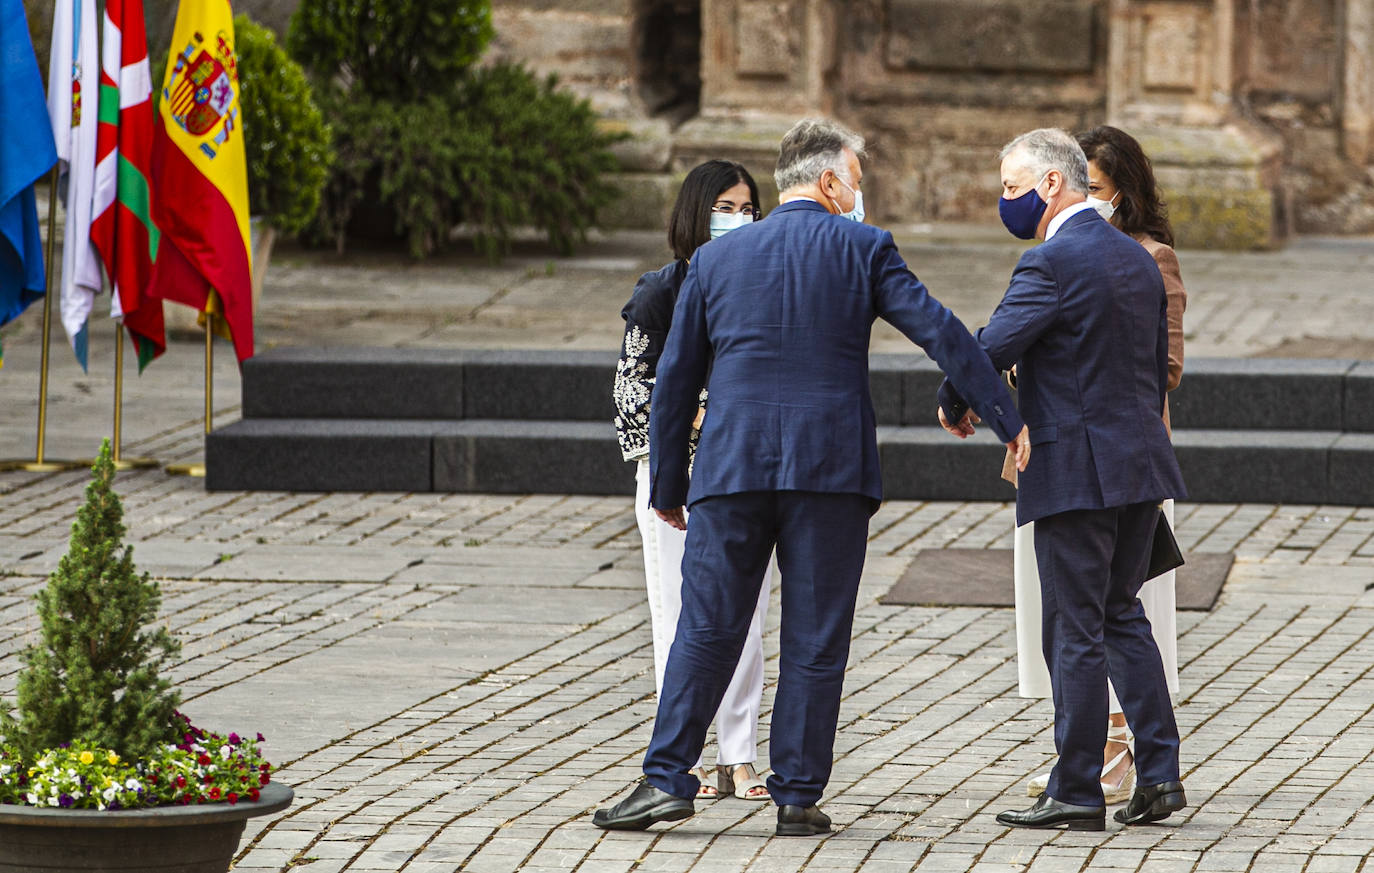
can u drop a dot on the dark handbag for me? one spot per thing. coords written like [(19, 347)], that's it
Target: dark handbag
[(1164, 552)]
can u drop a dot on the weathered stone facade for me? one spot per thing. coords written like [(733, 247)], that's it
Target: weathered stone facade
[(1259, 114)]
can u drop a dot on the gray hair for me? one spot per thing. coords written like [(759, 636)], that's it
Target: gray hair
[(1050, 148), (811, 147)]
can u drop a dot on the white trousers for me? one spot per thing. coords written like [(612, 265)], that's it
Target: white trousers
[(1157, 596), (737, 720)]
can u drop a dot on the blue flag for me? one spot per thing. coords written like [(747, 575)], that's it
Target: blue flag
[(27, 152)]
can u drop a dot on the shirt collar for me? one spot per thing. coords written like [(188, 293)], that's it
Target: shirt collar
[(1069, 212)]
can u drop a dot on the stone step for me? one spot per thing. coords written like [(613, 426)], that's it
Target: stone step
[(575, 457), (372, 383)]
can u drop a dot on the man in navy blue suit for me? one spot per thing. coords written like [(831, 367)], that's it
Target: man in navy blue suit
[(782, 310), (1084, 322)]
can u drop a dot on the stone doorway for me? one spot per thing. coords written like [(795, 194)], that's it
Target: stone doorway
[(666, 40)]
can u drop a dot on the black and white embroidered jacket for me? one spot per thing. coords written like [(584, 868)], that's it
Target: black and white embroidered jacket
[(648, 315)]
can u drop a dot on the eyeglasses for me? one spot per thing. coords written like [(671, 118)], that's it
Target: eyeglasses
[(729, 208)]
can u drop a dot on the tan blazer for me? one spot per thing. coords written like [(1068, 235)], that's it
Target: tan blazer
[(1176, 300)]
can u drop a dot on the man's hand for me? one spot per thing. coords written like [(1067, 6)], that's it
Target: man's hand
[(964, 428), (1021, 448), (677, 518)]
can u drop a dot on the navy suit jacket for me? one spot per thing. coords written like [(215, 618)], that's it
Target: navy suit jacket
[(784, 308), (1084, 320)]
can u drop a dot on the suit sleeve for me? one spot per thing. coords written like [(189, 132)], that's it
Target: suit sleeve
[(903, 301), (681, 376), (1177, 299), (1029, 306)]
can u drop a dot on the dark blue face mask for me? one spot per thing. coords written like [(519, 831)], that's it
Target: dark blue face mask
[(1022, 215)]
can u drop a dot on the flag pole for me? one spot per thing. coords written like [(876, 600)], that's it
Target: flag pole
[(120, 462), (197, 471), (40, 464)]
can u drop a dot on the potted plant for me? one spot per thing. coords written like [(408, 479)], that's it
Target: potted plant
[(98, 770)]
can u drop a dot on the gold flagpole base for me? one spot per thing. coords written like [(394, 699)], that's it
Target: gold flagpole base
[(45, 466), (137, 463), (195, 471)]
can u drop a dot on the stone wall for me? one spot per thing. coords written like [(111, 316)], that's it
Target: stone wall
[(1259, 110), (940, 85)]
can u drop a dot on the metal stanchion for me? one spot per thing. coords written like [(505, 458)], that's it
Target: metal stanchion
[(198, 470), (40, 464), (120, 462)]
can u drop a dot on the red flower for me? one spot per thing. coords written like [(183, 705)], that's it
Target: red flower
[(243, 779), (232, 798), (208, 779), (204, 760), (181, 781), (214, 793), (254, 794), (264, 779)]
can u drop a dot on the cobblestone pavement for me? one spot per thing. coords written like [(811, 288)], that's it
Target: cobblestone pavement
[(456, 681)]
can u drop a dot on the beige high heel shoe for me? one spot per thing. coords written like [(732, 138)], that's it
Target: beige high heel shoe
[(1114, 793)]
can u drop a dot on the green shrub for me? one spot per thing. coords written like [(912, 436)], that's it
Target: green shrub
[(93, 678), (288, 143), (390, 49), (429, 142), (501, 149)]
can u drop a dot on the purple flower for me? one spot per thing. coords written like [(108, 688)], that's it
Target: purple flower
[(65, 801), (234, 739)]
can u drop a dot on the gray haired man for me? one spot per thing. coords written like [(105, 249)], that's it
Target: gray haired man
[(782, 311), (1084, 321)]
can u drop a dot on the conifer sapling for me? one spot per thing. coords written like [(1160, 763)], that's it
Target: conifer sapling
[(93, 679)]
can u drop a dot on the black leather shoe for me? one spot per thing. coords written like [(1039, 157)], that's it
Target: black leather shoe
[(1152, 803), (645, 805), (1050, 813), (802, 821)]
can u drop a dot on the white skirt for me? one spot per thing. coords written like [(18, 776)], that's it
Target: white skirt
[(1157, 595)]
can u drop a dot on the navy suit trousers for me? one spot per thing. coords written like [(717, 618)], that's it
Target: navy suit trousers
[(821, 540), (1092, 564)]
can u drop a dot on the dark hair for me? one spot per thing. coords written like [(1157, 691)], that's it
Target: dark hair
[(1122, 160), (689, 228)]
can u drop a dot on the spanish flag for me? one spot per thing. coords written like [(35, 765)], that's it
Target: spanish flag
[(200, 175)]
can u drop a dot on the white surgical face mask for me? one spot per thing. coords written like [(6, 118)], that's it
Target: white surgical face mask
[(857, 213), (1105, 208), (724, 222)]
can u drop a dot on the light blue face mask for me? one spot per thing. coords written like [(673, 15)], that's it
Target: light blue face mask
[(724, 222), (857, 213)]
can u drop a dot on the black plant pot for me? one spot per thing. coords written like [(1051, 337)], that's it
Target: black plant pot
[(164, 839)]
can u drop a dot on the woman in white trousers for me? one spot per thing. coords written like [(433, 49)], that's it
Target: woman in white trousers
[(1121, 186)]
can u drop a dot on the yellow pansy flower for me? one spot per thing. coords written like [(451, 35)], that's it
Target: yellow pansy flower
[(87, 758), (114, 759)]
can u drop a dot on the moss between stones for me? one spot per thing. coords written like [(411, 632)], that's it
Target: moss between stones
[(1206, 218)]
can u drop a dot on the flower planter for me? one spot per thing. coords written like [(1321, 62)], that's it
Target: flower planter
[(163, 839)]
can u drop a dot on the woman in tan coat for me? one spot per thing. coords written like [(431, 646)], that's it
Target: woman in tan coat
[(1121, 186)]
